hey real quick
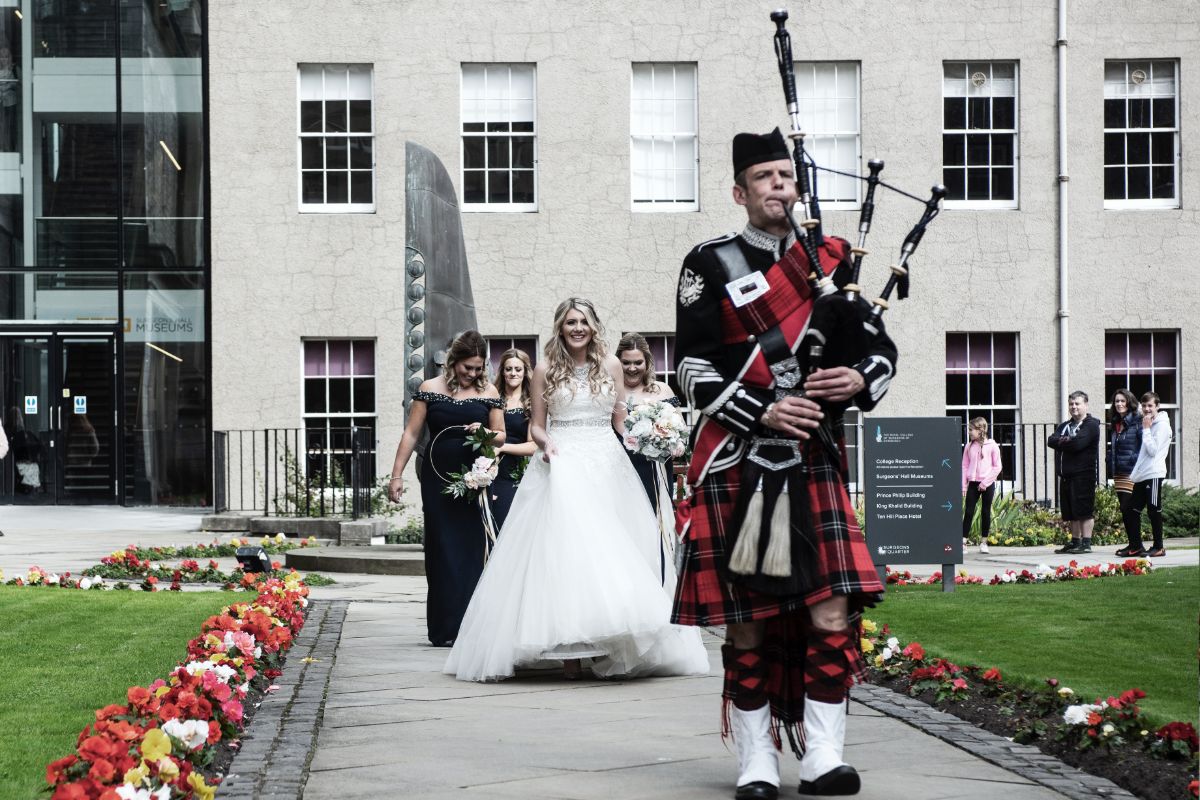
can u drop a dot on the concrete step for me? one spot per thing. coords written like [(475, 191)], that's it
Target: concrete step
[(389, 559)]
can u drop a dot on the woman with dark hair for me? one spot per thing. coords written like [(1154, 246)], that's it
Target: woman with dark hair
[(637, 370), (513, 380), (1124, 444), (575, 574), (453, 405)]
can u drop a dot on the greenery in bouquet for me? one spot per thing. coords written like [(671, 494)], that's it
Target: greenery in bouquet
[(479, 474), (656, 430)]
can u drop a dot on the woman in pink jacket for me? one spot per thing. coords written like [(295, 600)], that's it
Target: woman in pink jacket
[(980, 468)]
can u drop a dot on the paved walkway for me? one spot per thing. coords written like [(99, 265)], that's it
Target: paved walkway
[(387, 723)]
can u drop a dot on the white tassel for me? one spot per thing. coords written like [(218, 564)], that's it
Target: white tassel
[(778, 561), (744, 560)]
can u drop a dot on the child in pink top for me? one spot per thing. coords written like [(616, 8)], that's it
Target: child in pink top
[(980, 468)]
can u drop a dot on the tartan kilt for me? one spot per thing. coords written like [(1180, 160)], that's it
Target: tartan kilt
[(704, 596)]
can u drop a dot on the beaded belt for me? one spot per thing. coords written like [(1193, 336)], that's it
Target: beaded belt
[(583, 422)]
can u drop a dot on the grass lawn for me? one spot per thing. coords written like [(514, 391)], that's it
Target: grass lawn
[(1099, 637), (66, 653)]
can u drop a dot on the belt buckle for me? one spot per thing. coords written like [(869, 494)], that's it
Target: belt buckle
[(793, 457)]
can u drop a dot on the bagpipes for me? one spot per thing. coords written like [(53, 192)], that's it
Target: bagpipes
[(776, 547), (839, 325)]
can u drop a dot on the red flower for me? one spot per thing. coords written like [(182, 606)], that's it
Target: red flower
[(1094, 719), (1194, 788), (958, 683), (992, 674), (914, 651), (71, 791), (1179, 732), (1091, 732), (139, 696), (108, 712), (102, 771), (55, 770), (96, 748)]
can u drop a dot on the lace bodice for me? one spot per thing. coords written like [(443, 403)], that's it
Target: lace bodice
[(582, 408)]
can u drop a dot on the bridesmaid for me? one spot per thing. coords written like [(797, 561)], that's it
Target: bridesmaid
[(637, 367), (513, 380), (452, 405)]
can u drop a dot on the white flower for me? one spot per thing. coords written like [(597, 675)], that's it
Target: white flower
[(86, 583), (52, 579), (193, 732), (1065, 691), (1077, 715), (893, 643), (886, 653), (128, 791), (1007, 577), (641, 427), (1108, 729), (1044, 569)]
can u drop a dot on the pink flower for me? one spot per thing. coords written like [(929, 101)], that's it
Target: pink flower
[(958, 683), (232, 709)]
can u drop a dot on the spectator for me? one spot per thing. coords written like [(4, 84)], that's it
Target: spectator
[(1076, 462), (980, 468), (1124, 444), (1148, 474)]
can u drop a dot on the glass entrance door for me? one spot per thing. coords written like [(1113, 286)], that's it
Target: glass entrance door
[(27, 473), (59, 396)]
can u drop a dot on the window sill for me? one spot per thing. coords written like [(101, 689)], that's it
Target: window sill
[(339, 208)]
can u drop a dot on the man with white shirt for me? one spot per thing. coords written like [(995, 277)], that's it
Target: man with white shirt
[(1149, 472)]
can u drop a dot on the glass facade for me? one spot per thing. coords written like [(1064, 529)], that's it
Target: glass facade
[(104, 268)]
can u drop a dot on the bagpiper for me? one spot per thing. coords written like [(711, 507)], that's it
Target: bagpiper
[(770, 545)]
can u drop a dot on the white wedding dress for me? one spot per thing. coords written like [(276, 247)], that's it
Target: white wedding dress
[(575, 572)]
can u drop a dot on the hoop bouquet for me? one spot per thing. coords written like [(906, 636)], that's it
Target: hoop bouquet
[(479, 474), (656, 430)]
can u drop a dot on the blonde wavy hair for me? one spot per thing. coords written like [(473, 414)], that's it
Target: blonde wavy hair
[(502, 384), (635, 341), (468, 344), (560, 366)]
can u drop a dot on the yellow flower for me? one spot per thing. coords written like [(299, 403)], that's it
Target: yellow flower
[(867, 645), (203, 790), (160, 691), (279, 537), (266, 540), (156, 745), (869, 626), (138, 774), (168, 770), (879, 661)]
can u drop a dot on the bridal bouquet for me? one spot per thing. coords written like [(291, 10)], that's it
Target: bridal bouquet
[(479, 474), (656, 430)]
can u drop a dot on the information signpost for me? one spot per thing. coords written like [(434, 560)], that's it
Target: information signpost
[(913, 496)]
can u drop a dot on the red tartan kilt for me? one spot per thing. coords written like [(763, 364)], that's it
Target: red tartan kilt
[(704, 597)]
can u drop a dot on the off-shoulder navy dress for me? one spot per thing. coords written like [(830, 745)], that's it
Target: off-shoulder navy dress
[(504, 488), (455, 541)]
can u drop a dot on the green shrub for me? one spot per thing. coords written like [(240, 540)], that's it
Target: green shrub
[(1181, 512), (413, 532)]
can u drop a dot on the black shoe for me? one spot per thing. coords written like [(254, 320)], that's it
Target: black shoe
[(1132, 552), (1070, 548), (1083, 548), (758, 790), (840, 781), (1157, 552)]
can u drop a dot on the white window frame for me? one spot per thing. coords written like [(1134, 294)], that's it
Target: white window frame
[(347, 93), (498, 344), (1174, 410), (666, 118), (968, 89), (1017, 453), (330, 417), (817, 102), (500, 102), (1114, 92)]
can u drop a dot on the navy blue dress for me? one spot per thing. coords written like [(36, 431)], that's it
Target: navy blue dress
[(455, 542), (504, 488), (648, 474)]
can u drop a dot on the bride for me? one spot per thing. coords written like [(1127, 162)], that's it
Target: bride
[(576, 572)]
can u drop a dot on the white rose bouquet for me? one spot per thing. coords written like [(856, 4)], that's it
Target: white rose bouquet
[(479, 474), (656, 430)]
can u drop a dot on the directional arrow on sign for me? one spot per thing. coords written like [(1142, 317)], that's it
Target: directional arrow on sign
[(946, 463), (947, 505)]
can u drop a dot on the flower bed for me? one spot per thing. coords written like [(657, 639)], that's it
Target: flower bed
[(161, 743), (1042, 574), (148, 578), (1109, 737)]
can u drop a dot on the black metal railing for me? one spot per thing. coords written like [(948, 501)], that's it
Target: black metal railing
[(295, 472)]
